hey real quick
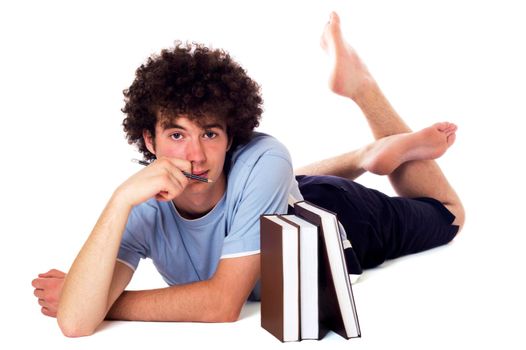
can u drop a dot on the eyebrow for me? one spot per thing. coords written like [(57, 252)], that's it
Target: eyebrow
[(172, 125), (213, 125)]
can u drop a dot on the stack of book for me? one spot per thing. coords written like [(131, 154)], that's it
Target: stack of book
[(305, 285)]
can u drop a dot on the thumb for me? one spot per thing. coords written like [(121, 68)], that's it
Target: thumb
[(52, 273)]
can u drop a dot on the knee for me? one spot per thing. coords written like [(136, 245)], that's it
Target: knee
[(460, 215)]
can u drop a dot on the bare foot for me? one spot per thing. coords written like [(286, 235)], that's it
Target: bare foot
[(349, 73), (385, 155)]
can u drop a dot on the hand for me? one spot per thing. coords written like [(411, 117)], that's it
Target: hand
[(48, 287), (163, 179)]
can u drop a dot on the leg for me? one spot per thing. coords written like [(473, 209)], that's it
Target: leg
[(413, 176), (385, 155), (348, 165), (380, 227)]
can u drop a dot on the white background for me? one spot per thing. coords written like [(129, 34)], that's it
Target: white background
[(64, 64)]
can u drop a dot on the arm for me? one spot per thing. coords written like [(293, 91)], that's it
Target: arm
[(88, 290), (48, 287), (219, 299)]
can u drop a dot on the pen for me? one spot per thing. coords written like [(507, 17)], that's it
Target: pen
[(188, 175)]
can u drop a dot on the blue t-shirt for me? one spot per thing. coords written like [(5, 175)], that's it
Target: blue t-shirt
[(183, 251)]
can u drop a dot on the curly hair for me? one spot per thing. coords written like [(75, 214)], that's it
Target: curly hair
[(197, 82)]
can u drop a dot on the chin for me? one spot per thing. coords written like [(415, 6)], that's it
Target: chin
[(197, 188)]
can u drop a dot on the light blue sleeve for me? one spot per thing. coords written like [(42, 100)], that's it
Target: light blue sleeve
[(133, 244), (266, 191)]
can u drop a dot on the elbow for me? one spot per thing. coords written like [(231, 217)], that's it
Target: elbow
[(230, 317), (226, 318), (74, 331), (225, 315), (460, 218), (74, 328)]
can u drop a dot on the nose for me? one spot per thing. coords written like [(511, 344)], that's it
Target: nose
[(195, 152)]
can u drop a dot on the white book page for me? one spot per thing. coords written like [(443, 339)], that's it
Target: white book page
[(308, 277)]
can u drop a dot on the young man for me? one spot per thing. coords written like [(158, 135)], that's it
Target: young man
[(194, 110)]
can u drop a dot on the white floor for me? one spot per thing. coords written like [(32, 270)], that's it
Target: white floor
[(454, 296), (63, 67)]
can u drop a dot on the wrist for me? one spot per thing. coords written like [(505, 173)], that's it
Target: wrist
[(119, 199)]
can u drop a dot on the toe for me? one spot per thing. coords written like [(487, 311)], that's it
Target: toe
[(451, 139), (334, 18), (450, 129), (442, 126)]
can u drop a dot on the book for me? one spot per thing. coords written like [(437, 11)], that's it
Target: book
[(279, 278), (337, 307), (310, 325)]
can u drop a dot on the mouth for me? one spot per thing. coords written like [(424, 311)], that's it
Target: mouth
[(201, 173)]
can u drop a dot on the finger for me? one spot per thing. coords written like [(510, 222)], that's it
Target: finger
[(179, 164), (44, 283), (43, 303), (39, 293), (176, 167), (162, 196), (170, 193), (179, 179), (46, 274), (171, 185), (49, 306), (47, 312), (177, 184), (39, 283)]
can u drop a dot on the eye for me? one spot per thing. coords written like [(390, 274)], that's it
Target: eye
[(176, 136), (210, 135)]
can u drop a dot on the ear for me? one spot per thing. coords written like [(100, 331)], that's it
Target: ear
[(149, 141), (230, 141)]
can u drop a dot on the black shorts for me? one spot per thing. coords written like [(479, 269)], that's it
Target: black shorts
[(380, 227)]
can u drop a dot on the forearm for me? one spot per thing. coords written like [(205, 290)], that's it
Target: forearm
[(84, 300), (195, 302), (380, 114)]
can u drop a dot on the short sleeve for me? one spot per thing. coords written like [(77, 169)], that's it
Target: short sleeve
[(266, 191), (133, 244)]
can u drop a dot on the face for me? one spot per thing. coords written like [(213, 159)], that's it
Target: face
[(205, 146)]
